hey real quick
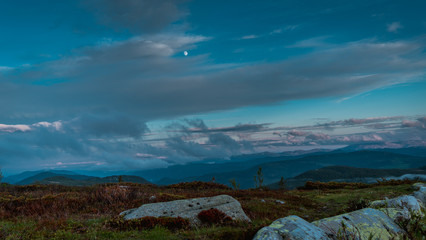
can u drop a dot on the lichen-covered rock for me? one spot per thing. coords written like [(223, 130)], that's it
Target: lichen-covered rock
[(189, 208), (396, 214), (362, 224), (421, 195), (267, 233), (295, 228), (291, 228), (417, 186), (409, 202)]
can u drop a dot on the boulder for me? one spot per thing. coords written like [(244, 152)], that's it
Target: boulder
[(366, 223), (417, 186), (189, 208), (409, 202), (291, 228), (396, 214), (267, 233), (420, 194)]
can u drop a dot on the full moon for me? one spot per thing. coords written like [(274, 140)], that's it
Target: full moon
[(185, 53)]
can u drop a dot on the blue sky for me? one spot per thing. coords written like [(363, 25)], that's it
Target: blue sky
[(103, 84)]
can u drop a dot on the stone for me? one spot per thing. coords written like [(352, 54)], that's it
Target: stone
[(417, 186), (361, 224), (295, 228), (401, 202), (421, 195), (267, 233), (396, 214), (189, 208), (152, 198), (291, 228), (279, 201)]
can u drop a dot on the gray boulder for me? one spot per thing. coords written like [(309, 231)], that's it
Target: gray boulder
[(417, 186), (189, 208), (291, 228), (267, 233), (420, 194), (362, 224), (402, 202), (398, 215)]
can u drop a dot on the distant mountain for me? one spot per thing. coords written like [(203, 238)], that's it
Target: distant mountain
[(414, 149), (13, 179), (67, 181), (44, 175), (347, 174), (274, 170), (217, 166)]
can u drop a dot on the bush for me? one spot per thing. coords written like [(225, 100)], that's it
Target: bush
[(171, 223), (214, 216)]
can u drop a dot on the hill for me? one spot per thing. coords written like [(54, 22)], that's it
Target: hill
[(68, 181), (44, 175), (217, 166), (13, 179), (346, 174), (273, 171)]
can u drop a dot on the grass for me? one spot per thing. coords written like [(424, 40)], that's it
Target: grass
[(60, 212)]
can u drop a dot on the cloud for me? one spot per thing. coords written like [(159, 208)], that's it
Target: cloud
[(138, 16), (420, 123), (14, 128), (194, 140), (311, 43), (394, 27), (108, 124), (249, 37), (237, 128), (297, 133), (142, 77)]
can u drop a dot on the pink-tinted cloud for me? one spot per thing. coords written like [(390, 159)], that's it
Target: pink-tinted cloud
[(297, 133), (14, 128), (420, 123)]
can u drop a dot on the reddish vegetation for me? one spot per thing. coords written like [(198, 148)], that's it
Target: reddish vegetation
[(198, 185), (214, 216)]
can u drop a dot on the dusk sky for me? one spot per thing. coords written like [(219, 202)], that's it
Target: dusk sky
[(137, 84)]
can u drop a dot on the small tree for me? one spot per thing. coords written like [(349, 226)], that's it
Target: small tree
[(120, 179), (258, 179), (1, 175), (234, 184), (282, 183)]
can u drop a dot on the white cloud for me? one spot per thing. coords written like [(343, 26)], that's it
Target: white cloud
[(394, 27), (14, 128), (250, 36)]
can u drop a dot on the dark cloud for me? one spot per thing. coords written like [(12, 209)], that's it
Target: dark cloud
[(144, 79), (297, 133), (138, 16), (188, 140), (108, 124), (420, 123)]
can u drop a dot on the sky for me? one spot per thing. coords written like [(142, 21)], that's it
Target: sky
[(139, 84)]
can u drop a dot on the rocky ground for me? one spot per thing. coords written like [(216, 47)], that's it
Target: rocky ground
[(59, 212)]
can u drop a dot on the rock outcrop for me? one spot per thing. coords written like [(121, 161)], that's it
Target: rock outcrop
[(291, 228), (361, 224), (189, 208), (367, 223), (410, 203), (420, 194)]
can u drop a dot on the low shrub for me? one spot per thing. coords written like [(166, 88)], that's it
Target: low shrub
[(119, 223), (198, 185), (214, 216)]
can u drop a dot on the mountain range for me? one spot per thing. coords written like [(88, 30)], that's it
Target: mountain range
[(296, 167)]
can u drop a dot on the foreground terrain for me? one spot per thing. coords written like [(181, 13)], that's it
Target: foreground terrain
[(61, 212)]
